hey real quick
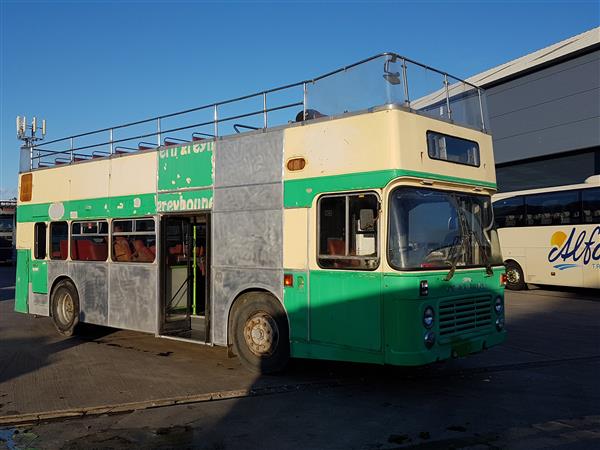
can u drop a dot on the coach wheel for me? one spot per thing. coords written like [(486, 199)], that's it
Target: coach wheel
[(259, 333), (65, 307), (515, 280)]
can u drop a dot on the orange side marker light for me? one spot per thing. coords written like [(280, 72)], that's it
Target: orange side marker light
[(288, 280)]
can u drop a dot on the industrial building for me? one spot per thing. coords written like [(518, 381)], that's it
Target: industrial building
[(544, 111)]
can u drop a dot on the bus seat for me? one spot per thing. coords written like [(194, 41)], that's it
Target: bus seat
[(84, 251), (64, 249), (98, 252), (74, 250), (336, 246), (176, 249)]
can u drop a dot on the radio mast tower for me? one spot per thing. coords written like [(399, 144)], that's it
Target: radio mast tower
[(27, 134)]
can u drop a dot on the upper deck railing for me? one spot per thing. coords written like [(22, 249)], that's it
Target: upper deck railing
[(387, 78)]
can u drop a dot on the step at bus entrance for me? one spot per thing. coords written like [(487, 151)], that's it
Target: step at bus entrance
[(185, 296)]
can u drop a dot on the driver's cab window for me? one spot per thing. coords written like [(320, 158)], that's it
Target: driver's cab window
[(348, 231)]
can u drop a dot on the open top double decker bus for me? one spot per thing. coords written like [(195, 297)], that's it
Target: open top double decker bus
[(347, 217)]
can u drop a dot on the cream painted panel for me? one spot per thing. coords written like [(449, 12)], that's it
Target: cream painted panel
[(389, 139), (73, 182), (133, 174), (351, 144), (413, 148), (295, 238), (49, 185), (25, 235), (90, 180)]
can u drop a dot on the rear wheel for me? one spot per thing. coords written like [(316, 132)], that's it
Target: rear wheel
[(515, 280), (259, 332), (65, 307)]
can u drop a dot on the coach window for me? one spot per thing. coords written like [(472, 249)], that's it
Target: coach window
[(59, 240), (39, 249), (347, 227), (133, 240), (591, 205), (89, 241), (553, 208), (509, 212)]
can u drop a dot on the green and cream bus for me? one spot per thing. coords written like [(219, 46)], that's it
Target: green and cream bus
[(551, 235), (347, 217)]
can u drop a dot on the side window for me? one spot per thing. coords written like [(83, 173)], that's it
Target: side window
[(89, 241), (590, 205), (509, 212), (39, 248), (59, 240), (347, 231), (553, 208), (134, 240), (453, 149)]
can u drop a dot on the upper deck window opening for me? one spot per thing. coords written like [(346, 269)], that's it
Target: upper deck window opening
[(452, 149)]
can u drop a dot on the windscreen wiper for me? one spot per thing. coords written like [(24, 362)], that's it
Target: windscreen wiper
[(464, 233)]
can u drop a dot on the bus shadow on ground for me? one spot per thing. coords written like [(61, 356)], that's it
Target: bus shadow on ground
[(23, 355)]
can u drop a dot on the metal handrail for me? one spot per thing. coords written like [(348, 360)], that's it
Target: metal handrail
[(42, 152)]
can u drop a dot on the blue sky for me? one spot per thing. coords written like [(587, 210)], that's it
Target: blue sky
[(84, 65)]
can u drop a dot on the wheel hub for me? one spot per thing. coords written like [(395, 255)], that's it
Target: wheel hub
[(66, 307), (512, 276), (261, 334)]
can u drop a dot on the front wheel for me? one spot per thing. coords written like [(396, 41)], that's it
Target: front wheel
[(65, 307), (515, 280), (259, 332)]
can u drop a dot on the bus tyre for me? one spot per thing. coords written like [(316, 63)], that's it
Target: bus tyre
[(515, 280), (259, 333), (65, 307)]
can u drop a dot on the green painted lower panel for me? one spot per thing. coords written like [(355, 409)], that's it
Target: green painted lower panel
[(345, 309), (39, 276), (315, 350), (295, 300), (301, 192), (22, 281), (378, 318)]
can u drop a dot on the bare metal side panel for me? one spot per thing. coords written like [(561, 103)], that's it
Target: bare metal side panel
[(247, 222), (133, 296), (38, 303), (91, 281)]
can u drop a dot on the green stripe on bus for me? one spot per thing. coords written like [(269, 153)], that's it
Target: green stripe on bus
[(300, 193), (95, 208)]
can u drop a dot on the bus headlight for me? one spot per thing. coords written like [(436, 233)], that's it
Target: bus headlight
[(500, 323), (429, 339), (428, 317), (498, 306)]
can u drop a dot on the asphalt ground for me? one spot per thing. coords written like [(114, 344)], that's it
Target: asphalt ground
[(120, 389)]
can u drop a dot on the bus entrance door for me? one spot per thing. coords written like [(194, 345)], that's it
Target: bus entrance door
[(184, 277)]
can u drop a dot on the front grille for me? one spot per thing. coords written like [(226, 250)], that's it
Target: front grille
[(463, 315)]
